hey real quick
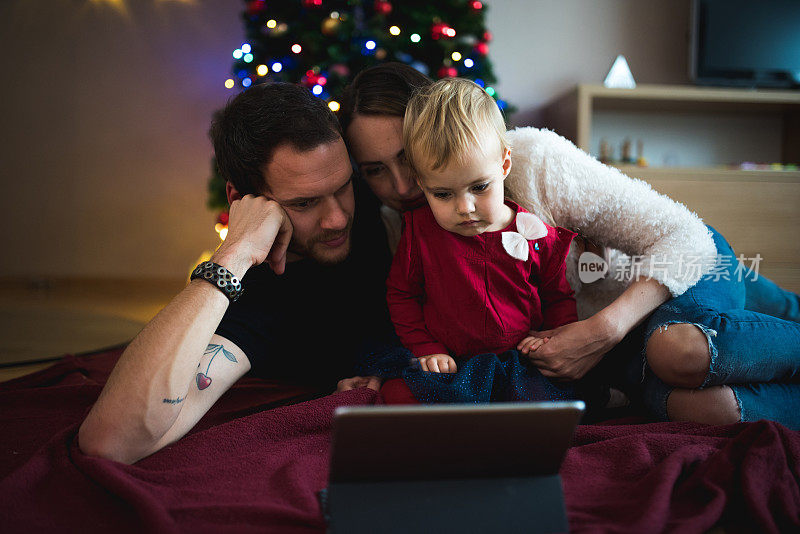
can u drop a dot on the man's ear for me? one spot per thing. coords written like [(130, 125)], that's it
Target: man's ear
[(506, 163), (231, 192)]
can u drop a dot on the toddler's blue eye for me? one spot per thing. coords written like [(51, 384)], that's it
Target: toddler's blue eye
[(481, 187)]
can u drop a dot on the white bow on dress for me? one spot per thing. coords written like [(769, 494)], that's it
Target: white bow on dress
[(529, 226)]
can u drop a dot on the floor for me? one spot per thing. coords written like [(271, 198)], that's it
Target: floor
[(42, 320)]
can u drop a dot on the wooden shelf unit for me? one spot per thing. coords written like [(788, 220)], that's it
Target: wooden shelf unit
[(757, 211), (571, 115)]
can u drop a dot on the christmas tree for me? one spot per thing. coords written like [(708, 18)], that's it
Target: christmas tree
[(323, 44)]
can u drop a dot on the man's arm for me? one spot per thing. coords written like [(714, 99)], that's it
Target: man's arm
[(148, 400)]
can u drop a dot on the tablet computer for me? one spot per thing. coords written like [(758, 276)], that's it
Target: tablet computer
[(460, 468), (451, 441)]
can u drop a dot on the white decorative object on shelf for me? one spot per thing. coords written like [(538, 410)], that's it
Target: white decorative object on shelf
[(620, 77)]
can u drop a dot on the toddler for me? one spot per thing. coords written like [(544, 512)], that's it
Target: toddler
[(474, 273)]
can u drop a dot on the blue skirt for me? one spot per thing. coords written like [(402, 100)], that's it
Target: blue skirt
[(483, 378)]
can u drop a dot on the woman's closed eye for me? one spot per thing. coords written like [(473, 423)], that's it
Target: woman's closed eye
[(373, 170)]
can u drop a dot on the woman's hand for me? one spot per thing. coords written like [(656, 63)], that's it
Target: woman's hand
[(438, 363), (572, 349)]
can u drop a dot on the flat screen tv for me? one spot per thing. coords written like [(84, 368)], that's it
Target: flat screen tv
[(750, 43)]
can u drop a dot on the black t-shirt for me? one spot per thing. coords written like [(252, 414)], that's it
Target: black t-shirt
[(311, 324)]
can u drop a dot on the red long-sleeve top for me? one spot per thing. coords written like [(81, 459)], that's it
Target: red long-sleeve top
[(463, 296)]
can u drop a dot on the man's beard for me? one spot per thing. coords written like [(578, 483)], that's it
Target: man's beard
[(314, 248)]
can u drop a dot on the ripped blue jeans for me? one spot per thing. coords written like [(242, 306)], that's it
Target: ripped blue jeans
[(753, 332)]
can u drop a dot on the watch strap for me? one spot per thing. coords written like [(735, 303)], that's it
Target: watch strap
[(220, 277)]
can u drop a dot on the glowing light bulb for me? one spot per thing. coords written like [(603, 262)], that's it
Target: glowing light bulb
[(334, 105), (415, 38), (317, 89), (322, 80), (394, 30), (223, 233), (456, 56), (469, 63), (248, 58), (296, 48), (479, 82), (490, 90), (229, 83), (271, 23), (246, 82), (237, 54), (370, 45), (262, 70), (334, 14), (277, 67), (246, 48)]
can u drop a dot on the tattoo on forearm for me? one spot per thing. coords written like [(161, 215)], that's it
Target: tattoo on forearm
[(202, 379), (174, 401)]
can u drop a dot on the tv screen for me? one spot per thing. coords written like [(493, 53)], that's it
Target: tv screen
[(746, 43)]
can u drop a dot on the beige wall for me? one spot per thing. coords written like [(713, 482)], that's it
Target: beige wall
[(105, 156), (542, 48)]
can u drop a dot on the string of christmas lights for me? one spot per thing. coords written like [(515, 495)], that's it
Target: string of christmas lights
[(323, 44)]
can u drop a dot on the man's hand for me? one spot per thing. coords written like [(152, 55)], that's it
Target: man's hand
[(258, 230), (531, 343), (371, 382), (438, 363)]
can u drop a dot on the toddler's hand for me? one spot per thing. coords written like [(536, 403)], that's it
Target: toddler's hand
[(438, 363), (531, 343)]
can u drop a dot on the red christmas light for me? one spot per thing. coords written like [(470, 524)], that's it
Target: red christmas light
[(383, 7), (447, 72), (482, 49), (477, 6), (439, 30), (255, 7)]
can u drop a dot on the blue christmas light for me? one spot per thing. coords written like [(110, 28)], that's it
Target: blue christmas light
[(237, 54), (277, 67), (246, 82), (501, 104), (469, 63), (422, 67), (479, 82), (370, 45), (317, 89), (248, 58), (246, 48), (242, 73)]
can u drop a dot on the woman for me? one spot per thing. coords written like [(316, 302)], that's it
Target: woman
[(719, 351)]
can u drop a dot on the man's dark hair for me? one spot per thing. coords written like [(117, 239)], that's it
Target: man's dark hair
[(247, 131)]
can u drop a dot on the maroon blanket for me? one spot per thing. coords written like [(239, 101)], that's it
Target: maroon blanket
[(251, 466)]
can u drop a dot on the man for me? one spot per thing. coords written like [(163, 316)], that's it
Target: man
[(291, 189)]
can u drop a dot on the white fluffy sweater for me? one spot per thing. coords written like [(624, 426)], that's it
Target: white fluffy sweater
[(567, 187)]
